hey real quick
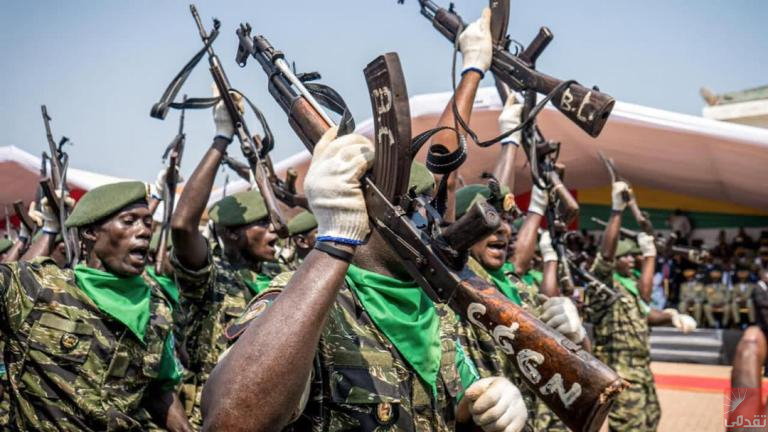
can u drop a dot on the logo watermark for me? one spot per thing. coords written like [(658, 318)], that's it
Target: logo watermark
[(743, 409)]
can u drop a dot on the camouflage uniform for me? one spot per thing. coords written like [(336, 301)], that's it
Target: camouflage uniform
[(742, 296), (70, 366), (211, 297), (717, 297), (622, 342), (5, 403), (491, 361), (360, 381)]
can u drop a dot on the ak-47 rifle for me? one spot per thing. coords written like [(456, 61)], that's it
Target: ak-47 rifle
[(255, 149), (578, 387), (173, 154), (54, 188), (664, 244), (587, 108), (641, 217)]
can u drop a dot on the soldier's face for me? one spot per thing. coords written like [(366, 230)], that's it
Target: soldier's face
[(121, 243), (258, 241), (491, 252), (625, 264)]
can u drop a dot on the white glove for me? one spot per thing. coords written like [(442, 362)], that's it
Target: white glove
[(46, 217), (617, 195), (476, 45), (158, 191), (647, 244), (224, 126), (545, 245), (332, 186), (560, 313), (539, 201), (496, 405), (510, 119), (684, 323)]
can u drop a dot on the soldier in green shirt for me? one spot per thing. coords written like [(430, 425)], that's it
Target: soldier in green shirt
[(215, 288), (87, 348), (621, 327)]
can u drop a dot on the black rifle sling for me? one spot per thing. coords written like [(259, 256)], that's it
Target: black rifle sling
[(160, 109), (331, 99)]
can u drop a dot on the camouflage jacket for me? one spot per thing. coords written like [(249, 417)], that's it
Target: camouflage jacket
[(211, 298), (70, 366), (621, 328), (360, 382)]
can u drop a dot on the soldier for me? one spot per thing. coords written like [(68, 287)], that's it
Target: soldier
[(691, 294), (215, 288), (85, 346), (718, 298), (621, 327), (741, 295)]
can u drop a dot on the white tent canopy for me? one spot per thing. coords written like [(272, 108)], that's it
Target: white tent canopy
[(653, 148), (20, 175)]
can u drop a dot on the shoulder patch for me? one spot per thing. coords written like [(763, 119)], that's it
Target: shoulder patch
[(255, 308)]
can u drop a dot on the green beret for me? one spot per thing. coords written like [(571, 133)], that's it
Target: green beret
[(468, 195), (301, 223), (105, 201), (239, 209), (421, 179), (5, 244), (626, 247)]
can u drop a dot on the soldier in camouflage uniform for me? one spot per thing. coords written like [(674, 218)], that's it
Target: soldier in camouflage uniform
[(352, 347), (489, 261), (215, 288), (691, 295), (84, 347), (718, 298), (621, 324), (741, 295)]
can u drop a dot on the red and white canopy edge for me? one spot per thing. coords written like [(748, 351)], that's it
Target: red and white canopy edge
[(654, 148), (20, 176)]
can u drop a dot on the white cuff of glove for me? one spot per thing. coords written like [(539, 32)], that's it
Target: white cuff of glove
[(617, 195), (539, 201), (545, 246)]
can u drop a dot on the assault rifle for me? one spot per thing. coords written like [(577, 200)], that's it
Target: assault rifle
[(664, 244), (54, 188), (285, 191), (578, 387), (640, 216), (253, 147), (173, 154), (587, 108)]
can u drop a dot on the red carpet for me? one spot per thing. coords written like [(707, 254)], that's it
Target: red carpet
[(695, 383)]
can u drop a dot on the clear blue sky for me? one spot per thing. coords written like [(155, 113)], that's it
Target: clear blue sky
[(100, 65)]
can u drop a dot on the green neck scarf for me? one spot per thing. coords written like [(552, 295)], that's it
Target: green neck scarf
[(168, 284), (125, 299), (630, 285), (257, 282), (502, 282), (533, 277), (405, 315)]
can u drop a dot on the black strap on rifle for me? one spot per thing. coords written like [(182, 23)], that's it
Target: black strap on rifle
[(160, 109), (329, 98)]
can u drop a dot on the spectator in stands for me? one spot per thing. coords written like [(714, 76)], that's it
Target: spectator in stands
[(681, 224)]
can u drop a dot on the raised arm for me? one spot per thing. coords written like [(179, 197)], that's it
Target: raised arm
[(612, 230), (190, 246), (476, 48), (258, 385)]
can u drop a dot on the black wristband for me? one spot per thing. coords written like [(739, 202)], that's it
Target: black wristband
[(334, 251)]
